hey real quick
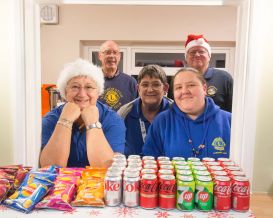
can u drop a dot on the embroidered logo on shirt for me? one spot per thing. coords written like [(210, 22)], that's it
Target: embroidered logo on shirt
[(112, 96), (211, 91), (219, 144)]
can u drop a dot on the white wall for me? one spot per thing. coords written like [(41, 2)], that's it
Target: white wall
[(61, 43), (263, 158), (7, 35)]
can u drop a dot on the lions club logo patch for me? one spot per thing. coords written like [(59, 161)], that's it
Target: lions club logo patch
[(219, 144), (211, 91), (112, 96)]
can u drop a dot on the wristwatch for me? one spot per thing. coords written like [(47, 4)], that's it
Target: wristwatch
[(94, 125)]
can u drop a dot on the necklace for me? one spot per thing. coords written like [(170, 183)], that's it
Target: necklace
[(196, 150)]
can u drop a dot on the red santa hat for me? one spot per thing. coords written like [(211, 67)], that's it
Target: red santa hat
[(197, 40)]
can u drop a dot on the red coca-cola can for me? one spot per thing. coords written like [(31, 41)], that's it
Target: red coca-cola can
[(232, 174), (131, 189), (165, 172), (218, 173), (222, 193), (150, 166), (163, 158), (240, 193), (215, 168), (112, 188), (148, 191), (167, 191), (147, 171)]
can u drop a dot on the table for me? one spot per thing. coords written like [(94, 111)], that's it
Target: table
[(120, 212)]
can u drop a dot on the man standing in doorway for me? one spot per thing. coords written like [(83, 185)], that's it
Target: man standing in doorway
[(119, 87), (219, 82)]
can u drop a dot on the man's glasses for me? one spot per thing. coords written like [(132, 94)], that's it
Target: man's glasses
[(200, 52), (154, 86), (109, 52), (77, 88)]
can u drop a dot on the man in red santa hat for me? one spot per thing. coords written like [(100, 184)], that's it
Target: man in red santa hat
[(219, 82)]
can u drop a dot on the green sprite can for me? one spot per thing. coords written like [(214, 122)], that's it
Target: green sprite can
[(204, 193), (185, 193)]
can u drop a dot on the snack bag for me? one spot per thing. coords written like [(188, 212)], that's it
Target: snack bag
[(4, 188), (61, 195), (33, 188), (91, 189)]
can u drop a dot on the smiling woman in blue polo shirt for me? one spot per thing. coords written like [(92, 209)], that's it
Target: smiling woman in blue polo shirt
[(139, 114), (83, 131), (193, 126)]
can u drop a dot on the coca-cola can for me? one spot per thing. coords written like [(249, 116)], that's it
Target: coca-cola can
[(150, 166), (167, 191), (223, 159), (148, 191), (165, 172), (163, 158), (131, 189), (232, 174), (215, 168), (149, 162), (112, 188), (240, 193), (164, 162), (147, 171), (218, 173), (222, 193), (208, 159), (148, 158)]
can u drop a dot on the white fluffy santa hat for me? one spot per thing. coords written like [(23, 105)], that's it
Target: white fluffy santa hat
[(80, 67), (197, 40)]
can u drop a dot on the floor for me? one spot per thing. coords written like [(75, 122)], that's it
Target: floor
[(262, 205)]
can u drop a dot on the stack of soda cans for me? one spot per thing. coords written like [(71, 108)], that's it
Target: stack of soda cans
[(205, 185)]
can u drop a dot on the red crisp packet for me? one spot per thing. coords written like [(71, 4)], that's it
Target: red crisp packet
[(4, 189)]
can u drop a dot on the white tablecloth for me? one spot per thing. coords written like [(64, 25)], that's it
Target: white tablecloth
[(120, 212)]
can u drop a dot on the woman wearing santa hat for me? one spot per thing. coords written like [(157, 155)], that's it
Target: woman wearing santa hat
[(219, 82), (83, 131), (194, 126)]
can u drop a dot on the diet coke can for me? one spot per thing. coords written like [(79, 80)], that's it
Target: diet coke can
[(240, 194), (167, 192), (222, 193), (112, 188), (131, 189), (148, 191)]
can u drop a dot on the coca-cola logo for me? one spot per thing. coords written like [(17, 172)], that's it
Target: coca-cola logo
[(222, 189), (111, 186), (131, 187), (167, 188), (187, 196), (203, 196), (240, 189), (149, 187)]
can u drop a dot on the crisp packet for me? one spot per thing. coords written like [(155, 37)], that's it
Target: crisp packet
[(4, 188), (61, 195), (91, 190), (33, 188)]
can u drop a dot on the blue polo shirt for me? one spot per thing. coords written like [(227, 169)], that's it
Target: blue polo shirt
[(112, 125), (132, 115)]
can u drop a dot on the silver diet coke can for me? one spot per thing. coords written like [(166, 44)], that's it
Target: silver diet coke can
[(131, 189), (112, 188)]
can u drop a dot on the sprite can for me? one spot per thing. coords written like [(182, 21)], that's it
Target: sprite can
[(185, 193), (204, 193)]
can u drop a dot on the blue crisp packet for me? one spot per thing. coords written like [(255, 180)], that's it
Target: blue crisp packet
[(34, 187)]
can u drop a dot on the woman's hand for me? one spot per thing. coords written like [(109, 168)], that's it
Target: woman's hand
[(90, 114), (71, 112)]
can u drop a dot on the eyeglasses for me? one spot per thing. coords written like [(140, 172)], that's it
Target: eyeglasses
[(154, 86), (200, 52), (77, 88), (109, 52)]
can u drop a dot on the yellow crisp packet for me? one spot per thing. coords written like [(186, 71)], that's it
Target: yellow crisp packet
[(91, 190)]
